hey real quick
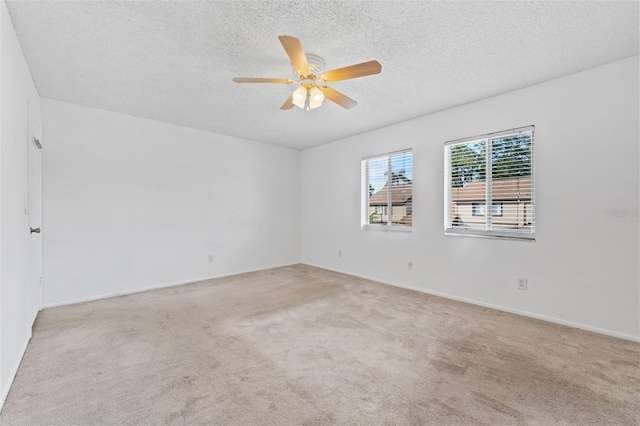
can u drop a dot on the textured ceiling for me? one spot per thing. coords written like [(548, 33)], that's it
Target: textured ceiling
[(174, 61)]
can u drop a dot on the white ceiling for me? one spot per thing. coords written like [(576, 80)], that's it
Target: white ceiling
[(174, 61)]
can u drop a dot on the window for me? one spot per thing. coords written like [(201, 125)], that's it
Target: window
[(478, 209), (381, 209), (495, 170), (387, 193)]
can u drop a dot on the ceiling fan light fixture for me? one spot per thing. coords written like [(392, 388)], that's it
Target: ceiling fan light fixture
[(314, 105), (300, 97), (315, 98), (316, 95)]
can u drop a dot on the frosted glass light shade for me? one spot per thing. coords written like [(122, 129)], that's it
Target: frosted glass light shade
[(300, 97), (315, 98)]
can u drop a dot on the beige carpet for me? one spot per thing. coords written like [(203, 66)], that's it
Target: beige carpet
[(300, 345)]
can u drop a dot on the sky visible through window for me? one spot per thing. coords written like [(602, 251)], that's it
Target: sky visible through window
[(378, 169)]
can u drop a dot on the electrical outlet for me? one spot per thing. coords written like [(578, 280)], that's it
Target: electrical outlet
[(339, 254), (210, 258), (410, 266), (522, 283)]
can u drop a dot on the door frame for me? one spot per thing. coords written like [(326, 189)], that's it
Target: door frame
[(33, 141)]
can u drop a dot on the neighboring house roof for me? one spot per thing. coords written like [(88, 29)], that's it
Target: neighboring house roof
[(400, 194), (501, 189)]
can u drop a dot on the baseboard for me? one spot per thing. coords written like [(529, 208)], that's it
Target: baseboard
[(157, 287), (489, 305), (7, 387)]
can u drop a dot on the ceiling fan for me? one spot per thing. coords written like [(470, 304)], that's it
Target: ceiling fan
[(309, 73)]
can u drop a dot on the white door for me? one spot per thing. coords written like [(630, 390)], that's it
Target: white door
[(35, 220)]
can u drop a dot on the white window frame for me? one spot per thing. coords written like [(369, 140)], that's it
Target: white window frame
[(364, 221), (487, 232)]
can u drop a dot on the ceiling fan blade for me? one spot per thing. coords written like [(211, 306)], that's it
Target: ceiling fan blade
[(262, 80), (288, 104), (293, 47), (337, 97), (353, 71)]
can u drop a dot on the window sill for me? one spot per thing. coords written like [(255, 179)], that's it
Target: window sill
[(386, 228), (492, 235)]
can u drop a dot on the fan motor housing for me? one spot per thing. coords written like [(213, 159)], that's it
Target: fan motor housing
[(316, 67)]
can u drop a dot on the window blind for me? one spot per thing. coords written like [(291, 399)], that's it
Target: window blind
[(387, 190), (491, 170)]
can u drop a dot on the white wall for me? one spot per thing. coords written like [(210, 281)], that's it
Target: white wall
[(131, 203), (17, 93), (583, 270)]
